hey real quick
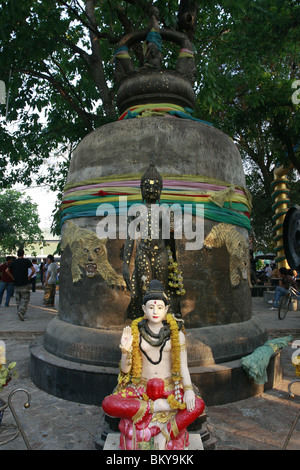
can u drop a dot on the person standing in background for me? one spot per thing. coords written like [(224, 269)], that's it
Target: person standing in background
[(6, 281), (33, 277), (286, 280), (18, 271), (50, 282), (43, 269)]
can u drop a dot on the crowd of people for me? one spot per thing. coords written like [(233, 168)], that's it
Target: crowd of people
[(280, 278), (18, 277), (269, 273)]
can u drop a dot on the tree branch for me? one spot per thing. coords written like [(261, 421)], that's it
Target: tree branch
[(83, 54), (96, 62), (69, 85), (87, 117), (187, 17), (88, 24)]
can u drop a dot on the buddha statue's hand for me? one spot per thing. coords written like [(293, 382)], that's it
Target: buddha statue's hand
[(126, 340), (161, 404), (189, 399)]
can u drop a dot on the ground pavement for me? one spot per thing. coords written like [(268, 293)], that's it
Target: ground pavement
[(50, 423)]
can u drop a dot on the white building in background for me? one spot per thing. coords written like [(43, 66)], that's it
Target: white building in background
[(50, 247)]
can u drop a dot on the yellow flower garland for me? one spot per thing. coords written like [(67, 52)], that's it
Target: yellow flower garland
[(175, 275), (175, 404), (136, 370)]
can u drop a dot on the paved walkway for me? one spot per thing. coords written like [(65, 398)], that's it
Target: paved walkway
[(50, 423)]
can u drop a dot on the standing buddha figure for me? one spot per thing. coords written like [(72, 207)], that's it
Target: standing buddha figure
[(152, 249)]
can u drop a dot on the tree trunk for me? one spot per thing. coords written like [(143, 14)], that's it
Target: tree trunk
[(96, 63)]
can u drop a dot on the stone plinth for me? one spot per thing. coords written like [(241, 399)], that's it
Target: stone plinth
[(82, 342), (113, 439)]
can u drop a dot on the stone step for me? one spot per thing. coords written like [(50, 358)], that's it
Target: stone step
[(113, 439)]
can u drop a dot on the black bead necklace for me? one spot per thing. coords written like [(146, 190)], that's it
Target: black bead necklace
[(161, 338)]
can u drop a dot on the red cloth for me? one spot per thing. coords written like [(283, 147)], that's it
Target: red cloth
[(5, 277), (125, 405)]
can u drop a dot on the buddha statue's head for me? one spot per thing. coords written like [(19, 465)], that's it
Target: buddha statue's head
[(151, 185)]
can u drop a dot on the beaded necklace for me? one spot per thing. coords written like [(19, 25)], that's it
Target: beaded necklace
[(136, 371), (161, 338)]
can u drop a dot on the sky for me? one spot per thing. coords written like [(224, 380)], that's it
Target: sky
[(41, 195), (45, 201)]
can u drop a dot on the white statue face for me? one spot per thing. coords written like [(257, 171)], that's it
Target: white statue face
[(155, 311)]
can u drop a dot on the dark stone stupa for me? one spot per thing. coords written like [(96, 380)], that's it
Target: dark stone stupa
[(78, 356)]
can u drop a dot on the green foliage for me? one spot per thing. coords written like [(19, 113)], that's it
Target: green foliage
[(56, 63), (18, 222), (248, 67), (248, 61), (7, 373), (53, 97)]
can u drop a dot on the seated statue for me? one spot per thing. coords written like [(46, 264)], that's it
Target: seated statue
[(155, 398)]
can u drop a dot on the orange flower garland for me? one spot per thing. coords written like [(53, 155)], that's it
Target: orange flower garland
[(176, 364), (136, 370), (175, 404)]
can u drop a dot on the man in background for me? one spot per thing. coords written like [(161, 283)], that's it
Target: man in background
[(33, 277), (6, 281), (18, 271), (50, 282), (286, 280)]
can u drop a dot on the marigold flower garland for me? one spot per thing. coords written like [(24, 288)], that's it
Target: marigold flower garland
[(175, 275), (136, 370), (296, 364)]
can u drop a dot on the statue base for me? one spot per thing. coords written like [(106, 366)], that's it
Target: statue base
[(113, 439), (199, 435)]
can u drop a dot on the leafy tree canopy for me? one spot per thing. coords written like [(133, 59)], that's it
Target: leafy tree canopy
[(56, 62), (19, 222)]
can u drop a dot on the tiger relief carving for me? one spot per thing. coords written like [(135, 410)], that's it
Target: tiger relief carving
[(237, 247), (89, 256)]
